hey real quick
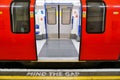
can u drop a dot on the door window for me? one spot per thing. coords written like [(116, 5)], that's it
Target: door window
[(66, 16), (20, 17), (95, 17), (51, 16)]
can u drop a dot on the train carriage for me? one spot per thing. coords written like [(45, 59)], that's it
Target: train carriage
[(59, 30)]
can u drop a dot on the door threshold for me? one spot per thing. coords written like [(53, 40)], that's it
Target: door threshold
[(58, 59)]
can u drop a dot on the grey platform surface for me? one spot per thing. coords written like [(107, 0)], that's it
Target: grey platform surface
[(58, 48)]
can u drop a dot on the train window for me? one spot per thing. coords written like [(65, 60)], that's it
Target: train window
[(95, 16), (51, 16), (20, 17), (66, 16)]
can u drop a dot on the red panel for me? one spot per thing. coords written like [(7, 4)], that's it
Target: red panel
[(105, 46), (116, 25), (15, 46)]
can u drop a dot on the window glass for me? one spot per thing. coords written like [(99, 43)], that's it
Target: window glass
[(66, 16), (51, 16), (95, 17), (20, 17)]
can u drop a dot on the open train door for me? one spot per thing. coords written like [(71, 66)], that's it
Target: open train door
[(97, 39), (17, 39)]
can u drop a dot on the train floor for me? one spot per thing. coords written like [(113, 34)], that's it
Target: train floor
[(58, 49)]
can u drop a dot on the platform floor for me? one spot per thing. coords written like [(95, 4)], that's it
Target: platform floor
[(60, 74), (58, 49)]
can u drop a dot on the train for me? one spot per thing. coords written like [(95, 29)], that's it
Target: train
[(68, 30)]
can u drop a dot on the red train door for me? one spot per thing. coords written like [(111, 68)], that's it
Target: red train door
[(17, 39), (97, 42)]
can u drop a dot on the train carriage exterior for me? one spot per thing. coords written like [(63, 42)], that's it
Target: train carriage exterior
[(33, 30)]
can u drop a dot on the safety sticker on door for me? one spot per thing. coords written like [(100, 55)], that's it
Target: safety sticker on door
[(1, 12), (84, 14), (31, 14)]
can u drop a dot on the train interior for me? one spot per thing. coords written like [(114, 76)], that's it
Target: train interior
[(58, 25)]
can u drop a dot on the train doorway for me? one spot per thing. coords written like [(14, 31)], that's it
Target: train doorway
[(59, 21), (57, 35)]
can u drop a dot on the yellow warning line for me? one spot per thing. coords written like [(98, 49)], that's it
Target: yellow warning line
[(61, 78)]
